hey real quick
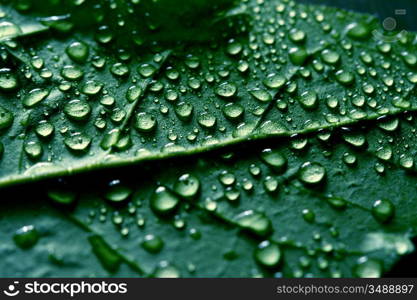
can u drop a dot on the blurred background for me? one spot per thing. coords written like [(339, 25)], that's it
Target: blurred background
[(404, 12)]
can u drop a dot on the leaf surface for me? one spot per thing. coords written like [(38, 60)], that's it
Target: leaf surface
[(337, 203), (86, 99)]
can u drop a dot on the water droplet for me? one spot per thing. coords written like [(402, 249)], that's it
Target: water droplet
[(234, 47), (91, 88), (226, 90), (308, 215), (274, 158), (308, 99), (163, 201), (117, 192), (26, 237), (77, 51), (34, 97), (261, 95), (77, 141), (254, 221), (358, 31), (145, 122), (9, 30), (166, 270), (146, 70), (232, 194), (368, 268), (355, 139), (383, 210), (72, 72), (410, 59), (227, 178), (8, 80), (384, 153), (119, 69), (298, 56), (270, 184), (349, 158), (336, 202), (184, 110), (77, 109), (345, 77), (268, 254), (330, 57), (297, 36), (233, 111), (406, 162), (312, 173), (187, 186), (44, 129), (274, 81), (390, 124), (206, 120), (6, 118), (152, 243), (33, 149)]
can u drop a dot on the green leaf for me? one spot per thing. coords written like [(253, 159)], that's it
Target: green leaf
[(253, 83), (316, 198), (71, 247), (336, 203)]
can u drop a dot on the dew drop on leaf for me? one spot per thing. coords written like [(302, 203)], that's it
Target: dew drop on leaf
[(78, 51), (152, 243), (77, 141), (256, 222), (312, 173), (268, 254), (163, 201), (117, 192), (6, 118), (26, 237), (77, 109), (166, 270), (8, 80), (187, 186), (34, 97), (383, 210), (145, 122), (226, 90), (368, 268)]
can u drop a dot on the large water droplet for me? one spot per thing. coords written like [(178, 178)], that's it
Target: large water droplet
[(117, 192), (274, 158), (152, 243), (368, 268), (77, 109), (78, 51), (187, 186), (268, 254), (383, 210), (256, 222), (145, 122), (312, 173), (34, 97), (226, 90), (26, 237), (163, 201), (8, 80), (6, 118)]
